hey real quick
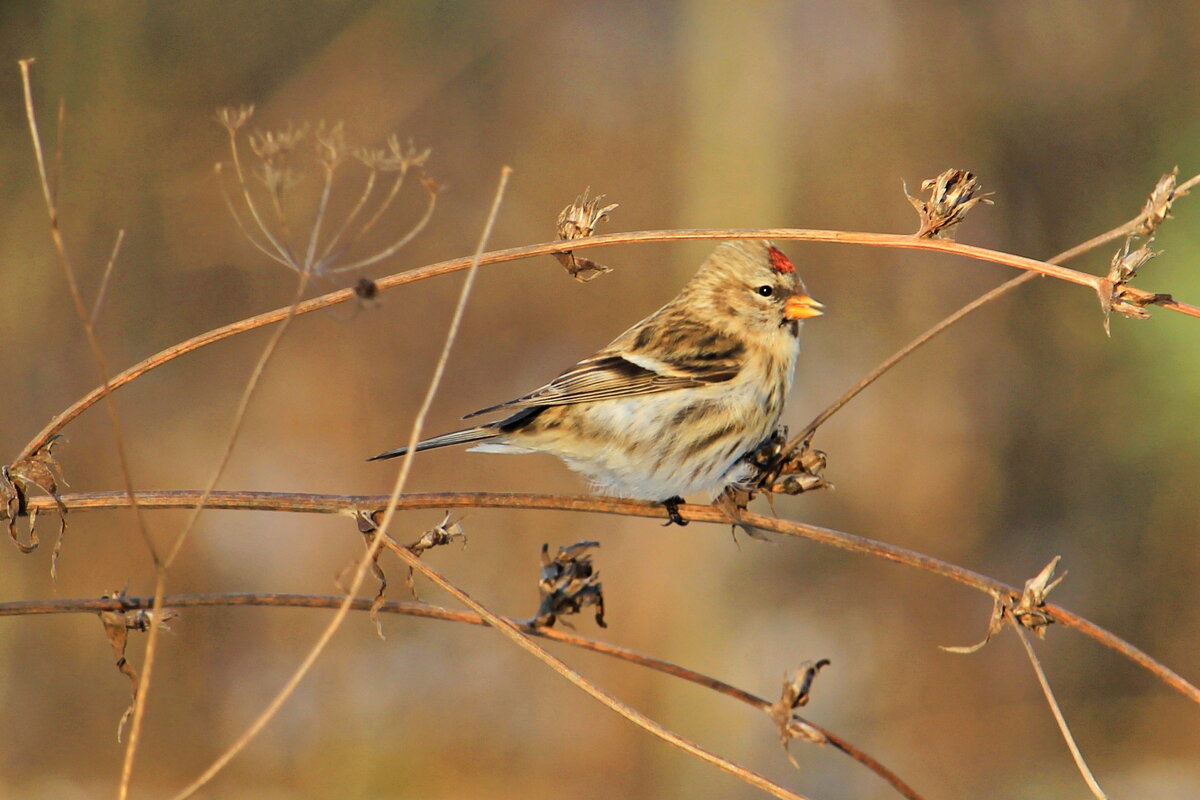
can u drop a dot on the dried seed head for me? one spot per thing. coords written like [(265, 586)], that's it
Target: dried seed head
[(952, 195), (796, 689), (1030, 611), (568, 583), (330, 144), (273, 146), (443, 533), (1125, 266), (1158, 204), (578, 221), (234, 117)]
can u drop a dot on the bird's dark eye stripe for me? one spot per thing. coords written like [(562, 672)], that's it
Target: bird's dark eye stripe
[(766, 291)]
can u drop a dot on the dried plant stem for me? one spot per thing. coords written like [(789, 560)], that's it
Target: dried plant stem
[(235, 428), (425, 611), (108, 269), (85, 318), (376, 542), (1088, 777), (352, 504), (1130, 227), (547, 248), (514, 634)]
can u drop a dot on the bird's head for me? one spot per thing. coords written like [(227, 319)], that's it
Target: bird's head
[(750, 286)]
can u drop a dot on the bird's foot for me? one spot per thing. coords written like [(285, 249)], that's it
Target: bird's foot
[(671, 504)]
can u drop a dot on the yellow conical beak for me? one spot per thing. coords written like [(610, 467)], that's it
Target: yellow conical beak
[(801, 306)]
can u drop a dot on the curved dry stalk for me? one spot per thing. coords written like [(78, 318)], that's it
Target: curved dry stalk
[(1080, 764), (396, 246), (282, 248), (1132, 226), (239, 416), (241, 225), (85, 318), (348, 220), (350, 505), (513, 633), (377, 541), (426, 611), (547, 248), (314, 235)]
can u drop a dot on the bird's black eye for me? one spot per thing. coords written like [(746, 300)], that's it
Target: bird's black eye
[(766, 291)]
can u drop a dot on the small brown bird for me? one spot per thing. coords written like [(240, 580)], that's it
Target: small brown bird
[(672, 404)]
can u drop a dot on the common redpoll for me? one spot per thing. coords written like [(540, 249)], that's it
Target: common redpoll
[(672, 405)]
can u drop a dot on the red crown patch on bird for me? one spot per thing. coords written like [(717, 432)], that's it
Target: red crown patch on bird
[(780, 262)]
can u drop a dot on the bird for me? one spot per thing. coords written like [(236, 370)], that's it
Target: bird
[(671, 406)]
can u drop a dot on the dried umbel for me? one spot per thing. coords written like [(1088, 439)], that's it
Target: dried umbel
[(315, 243)]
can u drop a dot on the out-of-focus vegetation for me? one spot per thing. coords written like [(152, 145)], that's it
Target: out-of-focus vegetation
[(1025, 433)]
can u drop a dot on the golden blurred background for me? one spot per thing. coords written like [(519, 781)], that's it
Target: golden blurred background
[(1022, 434)]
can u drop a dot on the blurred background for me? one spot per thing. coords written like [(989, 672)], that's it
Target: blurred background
[(1023, 434)]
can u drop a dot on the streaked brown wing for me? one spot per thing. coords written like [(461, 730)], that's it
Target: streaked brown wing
[(610, 376)]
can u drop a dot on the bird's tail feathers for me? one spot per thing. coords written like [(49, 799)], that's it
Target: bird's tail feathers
[(445, 440)]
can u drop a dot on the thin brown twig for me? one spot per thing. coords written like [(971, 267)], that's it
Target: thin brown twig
[(239, 416), (348, 220), (1122, 230), (514, 634), (1082, 766), (305, 275), (350, 505), (60, 247), (377, 540), (108, 269), (426, 611), (546, 248)]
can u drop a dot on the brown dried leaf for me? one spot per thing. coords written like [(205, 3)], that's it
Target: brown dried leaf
[(368, 523), (578, 221), (117, 625), (995, 625), (953, 194), (39, 470), (568, 584)]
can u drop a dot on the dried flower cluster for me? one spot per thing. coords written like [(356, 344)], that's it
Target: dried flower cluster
[(568, 584), (578, 221), (283, 163), (952, 195)]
